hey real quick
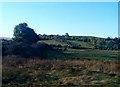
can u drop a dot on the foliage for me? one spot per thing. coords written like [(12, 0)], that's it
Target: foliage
[(66, 60), (24, 49), (83, 41), (22, 33), (27, 43), (15, 76)]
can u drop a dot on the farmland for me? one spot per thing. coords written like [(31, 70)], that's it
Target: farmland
[(84, 54)]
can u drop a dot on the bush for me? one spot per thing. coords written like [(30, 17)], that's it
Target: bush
[(15, 76), (24, 49)]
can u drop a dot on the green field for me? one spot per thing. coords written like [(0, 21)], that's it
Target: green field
[(54, 42), (84, 54), (80, 53), (68, 42)]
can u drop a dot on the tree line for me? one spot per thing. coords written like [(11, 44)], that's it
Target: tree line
[(25, 42), (98, 43)]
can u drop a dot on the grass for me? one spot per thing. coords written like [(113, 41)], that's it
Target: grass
[(59, 72), (54, 42), (83, 44), (68, 42), (99, 68), (84, 54)]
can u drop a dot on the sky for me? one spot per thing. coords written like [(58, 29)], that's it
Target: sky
[(98, 19)]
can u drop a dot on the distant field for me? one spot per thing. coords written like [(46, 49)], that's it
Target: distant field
[(54, 42), (68, 42), (84, 54), (83, 44), (81, 53), (95, 54)]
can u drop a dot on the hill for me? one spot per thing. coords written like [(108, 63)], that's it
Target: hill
[(87, 42)]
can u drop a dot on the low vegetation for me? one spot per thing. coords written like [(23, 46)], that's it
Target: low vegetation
[(25, 72), (31, 60)]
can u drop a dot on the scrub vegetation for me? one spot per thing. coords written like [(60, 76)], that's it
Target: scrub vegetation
[(31, 60)]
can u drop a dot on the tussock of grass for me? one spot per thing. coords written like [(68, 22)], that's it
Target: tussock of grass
[(59, 72)]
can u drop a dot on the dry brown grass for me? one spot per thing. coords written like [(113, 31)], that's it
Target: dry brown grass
[(69, 72)]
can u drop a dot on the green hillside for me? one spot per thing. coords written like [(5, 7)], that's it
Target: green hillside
[(82, 44), (83, 41), (68, 43), (54, 42)]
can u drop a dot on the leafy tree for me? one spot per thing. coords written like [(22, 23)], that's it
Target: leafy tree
[(22, 33), (66, 34)]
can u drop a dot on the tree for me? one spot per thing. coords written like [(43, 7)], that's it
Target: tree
[(66, 36), (22, 33)]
